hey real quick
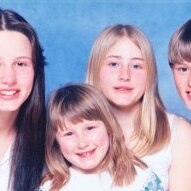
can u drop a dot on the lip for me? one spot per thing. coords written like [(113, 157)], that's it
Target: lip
[(9, 94), (123, 88), (86, 154)]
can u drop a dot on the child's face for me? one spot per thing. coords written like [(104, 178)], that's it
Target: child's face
[(182, 77), (124, 67), (84, 144)]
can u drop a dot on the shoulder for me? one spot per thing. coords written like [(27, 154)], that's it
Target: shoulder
[(181, 155), (179, 124), (183, 128)]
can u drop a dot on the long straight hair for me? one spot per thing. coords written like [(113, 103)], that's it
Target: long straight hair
[(28, 153), (153, 130)]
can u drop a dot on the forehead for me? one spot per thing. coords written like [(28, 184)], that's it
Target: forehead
[(125, 47), (14, 44)]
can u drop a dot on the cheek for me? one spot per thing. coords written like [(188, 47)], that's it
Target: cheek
[(27, 78), (66, 147), (179, 81), (102, 139)]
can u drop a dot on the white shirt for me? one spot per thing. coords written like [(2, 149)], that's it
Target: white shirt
[(103, 182), (160, 162), (5, 165)]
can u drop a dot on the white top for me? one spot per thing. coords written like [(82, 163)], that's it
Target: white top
[(160, 162), (5, 164), (103, 182)]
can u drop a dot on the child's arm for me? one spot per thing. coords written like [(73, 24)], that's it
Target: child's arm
[(180, 171)]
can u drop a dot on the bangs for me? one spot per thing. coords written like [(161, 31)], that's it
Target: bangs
[(181, 52), (180, 46), (74, 109)]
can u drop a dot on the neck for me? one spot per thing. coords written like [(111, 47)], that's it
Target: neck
[(126, 118)]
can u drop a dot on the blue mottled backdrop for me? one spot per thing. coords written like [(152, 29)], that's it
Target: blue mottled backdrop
[(67, 30)]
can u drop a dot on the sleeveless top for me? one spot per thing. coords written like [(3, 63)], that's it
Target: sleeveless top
[(145, 180), (160, 161)]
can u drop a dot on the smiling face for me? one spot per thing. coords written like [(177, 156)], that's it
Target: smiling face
[(84, 144), (123, 74), (182, 77), (16, 70)]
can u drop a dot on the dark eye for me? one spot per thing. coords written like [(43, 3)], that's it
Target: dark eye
[(68, 134), (90, 128), (184, 69), (20, 63), (113, 64)]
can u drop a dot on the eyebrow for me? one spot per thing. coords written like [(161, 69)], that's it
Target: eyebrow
[(18, 58), (23, 57), (119, 57)]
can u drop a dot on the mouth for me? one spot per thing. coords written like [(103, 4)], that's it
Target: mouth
[(123, 88), (189, 94), (86, 154), (8, 94)]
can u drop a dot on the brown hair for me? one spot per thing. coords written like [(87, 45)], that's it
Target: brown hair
[(76, 102)]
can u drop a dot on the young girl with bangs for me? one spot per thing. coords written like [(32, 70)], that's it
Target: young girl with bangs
[(85, 147), (122, 65)]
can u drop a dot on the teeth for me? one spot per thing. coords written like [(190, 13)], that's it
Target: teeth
[(8, 93), (86, 154)]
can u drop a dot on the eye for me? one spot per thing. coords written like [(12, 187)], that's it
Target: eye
[(136, 66), (21, 63), (181, 69), (68, 134), (89, 128), (113, 64)]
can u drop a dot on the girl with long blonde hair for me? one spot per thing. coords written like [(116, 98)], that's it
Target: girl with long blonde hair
[(122, 65)]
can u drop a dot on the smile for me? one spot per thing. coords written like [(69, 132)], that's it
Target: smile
[(86, 154), (8, 92), (189, 94)]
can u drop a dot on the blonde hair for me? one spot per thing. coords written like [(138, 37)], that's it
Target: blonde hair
[(153, 132), (76, 102), (180, 45)]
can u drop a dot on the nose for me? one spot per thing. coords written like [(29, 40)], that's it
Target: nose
[(125, 73), (82, 142), (7, 75)]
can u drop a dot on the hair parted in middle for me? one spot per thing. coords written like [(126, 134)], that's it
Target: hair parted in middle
[(76, 102), (153, 132)]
